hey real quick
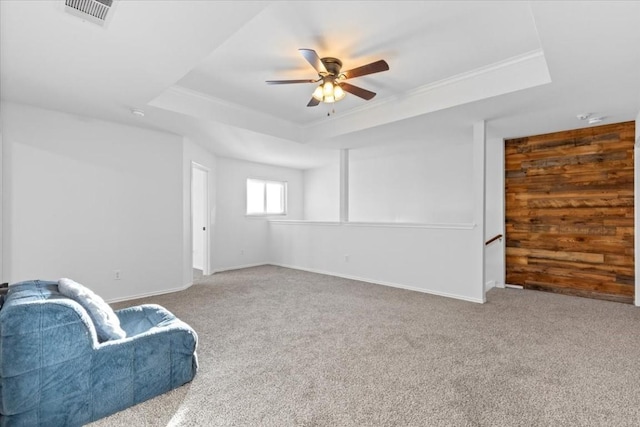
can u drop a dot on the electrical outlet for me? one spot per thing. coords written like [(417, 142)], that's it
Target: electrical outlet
[(346, 258), (117, 275), (241, 251)]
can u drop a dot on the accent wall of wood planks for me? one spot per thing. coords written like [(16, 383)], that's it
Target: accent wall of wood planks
[(569, 212)]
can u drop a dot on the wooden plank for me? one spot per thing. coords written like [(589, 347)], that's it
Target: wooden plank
[(545, 231), (585, 285), (533, 150), (571, 224), (564, 255), (584, 176), (565, 274), (614, 144), (582, 193), (583, 266), (517, 260), (596, 131), (564, 243), (568, 213), (612, 202), (516, 223), (623, 260), (582, 168), (582, 159), (627, 299)]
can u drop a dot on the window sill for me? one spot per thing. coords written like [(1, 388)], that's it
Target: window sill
[(265, 216)]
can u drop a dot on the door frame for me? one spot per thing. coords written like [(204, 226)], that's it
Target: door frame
[(206, 267)]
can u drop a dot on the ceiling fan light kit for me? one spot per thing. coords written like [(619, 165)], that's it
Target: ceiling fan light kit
[(333, 88), (329, 92)]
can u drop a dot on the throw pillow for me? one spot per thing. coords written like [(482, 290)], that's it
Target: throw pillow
[(104, 318)]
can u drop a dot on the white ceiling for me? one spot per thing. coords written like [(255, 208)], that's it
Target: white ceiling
[(197, 68)]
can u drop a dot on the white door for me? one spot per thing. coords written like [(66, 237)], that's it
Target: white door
[(199, 216)]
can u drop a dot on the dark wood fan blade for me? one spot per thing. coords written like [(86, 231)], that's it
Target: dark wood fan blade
[(358, 91), (374, 67), (312, 57), (313, 102), (286, 82)]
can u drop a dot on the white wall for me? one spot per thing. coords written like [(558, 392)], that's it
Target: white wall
[(415, 182), (396, 184), (192, 152), (2, 277), (241, 240), (424, 259), (494, 253), (85, 197), (322, 193)]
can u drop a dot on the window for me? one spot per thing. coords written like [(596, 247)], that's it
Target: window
[(266, 197)]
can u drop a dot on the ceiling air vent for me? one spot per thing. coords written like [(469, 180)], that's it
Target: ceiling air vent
[(95, 11)]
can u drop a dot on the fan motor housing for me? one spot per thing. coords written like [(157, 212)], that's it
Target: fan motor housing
[(333, 65)]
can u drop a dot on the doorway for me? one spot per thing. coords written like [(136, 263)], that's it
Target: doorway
[(199, 220)]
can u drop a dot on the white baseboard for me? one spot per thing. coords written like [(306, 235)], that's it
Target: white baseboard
[(150, 294), (239, 267), (382, 283), (493, 284)]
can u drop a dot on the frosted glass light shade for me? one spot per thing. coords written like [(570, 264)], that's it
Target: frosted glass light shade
[(327, 89), (317, 94)]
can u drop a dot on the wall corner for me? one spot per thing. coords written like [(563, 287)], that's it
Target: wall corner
[(479, 202), (636, 196)]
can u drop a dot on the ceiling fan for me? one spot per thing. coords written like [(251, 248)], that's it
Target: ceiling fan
[(333, 86)]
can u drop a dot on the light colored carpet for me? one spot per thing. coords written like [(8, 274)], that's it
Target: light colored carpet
[(280, 347)]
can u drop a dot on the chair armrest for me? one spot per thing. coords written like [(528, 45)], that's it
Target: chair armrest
[(141, 366)]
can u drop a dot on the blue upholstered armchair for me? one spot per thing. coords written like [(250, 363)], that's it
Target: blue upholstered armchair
[(54, 371)]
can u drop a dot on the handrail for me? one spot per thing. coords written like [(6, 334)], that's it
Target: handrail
[(493, 239)]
